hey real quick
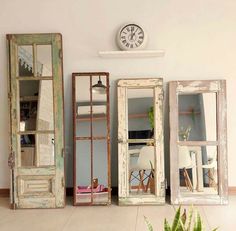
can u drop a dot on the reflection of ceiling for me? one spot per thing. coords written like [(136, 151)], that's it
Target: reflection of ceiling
[(82, 87)]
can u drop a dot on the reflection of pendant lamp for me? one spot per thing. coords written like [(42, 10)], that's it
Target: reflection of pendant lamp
[(99, 88)]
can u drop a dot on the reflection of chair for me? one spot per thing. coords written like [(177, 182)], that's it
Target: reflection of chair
[(186, 162), (211, 170), (144, 163)]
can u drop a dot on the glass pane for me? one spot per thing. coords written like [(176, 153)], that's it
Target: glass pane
[(29, 91), (100, 172), (83, 171), (141, 169), (45, 106), (36, 105), (45, 145), (82, 104), (140, 113), (197, 117), (198, 170), (99, 97), (25, 61), (27, 150), (44, 60)]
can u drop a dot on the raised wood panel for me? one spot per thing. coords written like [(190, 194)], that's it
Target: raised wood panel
[(31, 186)]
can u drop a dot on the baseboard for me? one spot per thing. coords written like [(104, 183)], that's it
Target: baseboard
[(232, 190), (5, 192)]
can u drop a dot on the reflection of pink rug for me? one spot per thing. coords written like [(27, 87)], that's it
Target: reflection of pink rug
[(85, 189)]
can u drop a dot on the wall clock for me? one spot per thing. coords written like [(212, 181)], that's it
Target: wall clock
[(131, 37)]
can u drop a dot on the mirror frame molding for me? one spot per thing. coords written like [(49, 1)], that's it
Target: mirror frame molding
[(199, 86), (123, 161)]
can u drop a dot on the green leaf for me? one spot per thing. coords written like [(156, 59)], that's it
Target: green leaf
[(215, 229), (176, 220), (190, 219), (198, 223), (150, 228), (166, 226)]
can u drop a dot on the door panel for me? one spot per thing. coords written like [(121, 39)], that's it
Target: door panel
[(37, 120)]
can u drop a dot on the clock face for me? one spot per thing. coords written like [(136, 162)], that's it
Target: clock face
[(131, 36)]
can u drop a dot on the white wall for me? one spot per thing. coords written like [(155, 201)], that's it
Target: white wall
[(198, 36)]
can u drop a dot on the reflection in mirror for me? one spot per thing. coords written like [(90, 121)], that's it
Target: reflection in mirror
[(25, 61), (198, 170), (27, 150), (36, 105), (197, 117), (29, 91), (45, 149), (141, 169), (140, 113), (44, 60), (45, 106), (83, 172), (100, 169)]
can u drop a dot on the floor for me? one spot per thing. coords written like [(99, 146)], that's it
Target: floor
[(109, 218)]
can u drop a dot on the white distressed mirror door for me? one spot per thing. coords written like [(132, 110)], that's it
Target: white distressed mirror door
[(198, 150), (140, 141)]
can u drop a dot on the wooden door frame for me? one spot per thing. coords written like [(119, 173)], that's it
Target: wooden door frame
[(55, 40), (194, 87), (123, 161)]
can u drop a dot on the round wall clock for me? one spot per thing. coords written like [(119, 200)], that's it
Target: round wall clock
[(131, 37)]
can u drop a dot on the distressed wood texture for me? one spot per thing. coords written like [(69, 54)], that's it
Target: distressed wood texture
[(123, 157), (36, 186), (194, 87)]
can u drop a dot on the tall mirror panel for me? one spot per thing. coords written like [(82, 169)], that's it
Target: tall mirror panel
[(37, 121), (198, 150), (140, 142), (91, 138)]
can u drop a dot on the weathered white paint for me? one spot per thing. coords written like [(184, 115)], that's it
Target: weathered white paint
[(193, 87), (123, 155)]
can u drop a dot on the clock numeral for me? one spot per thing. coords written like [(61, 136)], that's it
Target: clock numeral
[(124, 41), (123, 37), (131, 46), (140, 33), (140, 42), (127, 44), (132, 27), (128, 29), (141, 37)]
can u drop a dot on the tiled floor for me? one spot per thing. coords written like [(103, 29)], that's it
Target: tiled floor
[(109, 218)]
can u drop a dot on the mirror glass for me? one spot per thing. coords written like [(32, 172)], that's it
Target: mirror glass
[(25, 61), (36, 105), (100, 171), (82, 106), (198, 170), (197, 117), (44, 60), (83, 171), (140, 150), (45, 148), (28, 150)]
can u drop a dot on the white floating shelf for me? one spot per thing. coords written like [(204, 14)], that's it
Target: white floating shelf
[(132, 54)]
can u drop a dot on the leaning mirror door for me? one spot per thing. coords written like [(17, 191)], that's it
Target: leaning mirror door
[(140, 142), (198, 142), (37, 143)]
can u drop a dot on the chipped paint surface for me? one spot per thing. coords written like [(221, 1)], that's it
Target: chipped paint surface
[(123, 161), (195, 87), (48, 179)]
